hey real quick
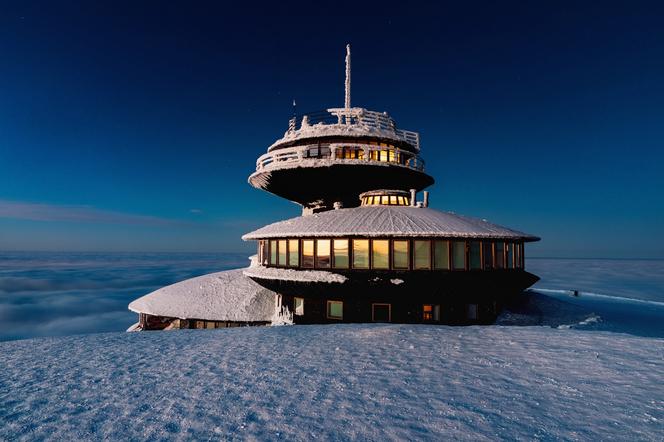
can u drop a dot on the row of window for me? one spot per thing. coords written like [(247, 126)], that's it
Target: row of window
[(396, 254), (385, 200), (382, 312)]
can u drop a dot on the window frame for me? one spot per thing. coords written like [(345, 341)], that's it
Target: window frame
[(414, 266), (327, 310), (389, 312), (392, 250)]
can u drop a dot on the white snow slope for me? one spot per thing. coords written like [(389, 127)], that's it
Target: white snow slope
[(358, 382)]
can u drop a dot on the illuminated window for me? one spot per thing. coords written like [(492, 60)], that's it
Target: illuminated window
[(430, 313), (393, 200), (441, 255), (392, 156), (361, 253), (323, 253), (384, 200), (282, 252), (335, 310), (298, 306), (380, 253), (499, 257), (487, 255), (340, 247), (400, 254), (308, 253), (422, 252), (459, 255), (510, 255), (293, 252), (475, 255), (273, 252)]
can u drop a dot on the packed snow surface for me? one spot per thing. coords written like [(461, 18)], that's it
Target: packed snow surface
[(386, 220), (367, 382), (221, 296)]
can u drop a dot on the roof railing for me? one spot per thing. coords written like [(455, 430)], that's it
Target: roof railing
[(371, 120)]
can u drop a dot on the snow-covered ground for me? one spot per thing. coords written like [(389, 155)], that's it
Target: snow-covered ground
[(377, 382)]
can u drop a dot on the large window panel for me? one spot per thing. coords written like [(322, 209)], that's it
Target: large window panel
[(499, 258), (282, 252), (273, 252), (459, 255), (340, 248), (323, 253), (380, 253), (441, 255), (487, 255), (335, 310), (475, 255), (510, 255), (422, 254), (293, 252), (308, 253), (400, 254), (360, 253)]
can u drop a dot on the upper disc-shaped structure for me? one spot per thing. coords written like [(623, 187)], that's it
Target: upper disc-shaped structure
[(332, 156)]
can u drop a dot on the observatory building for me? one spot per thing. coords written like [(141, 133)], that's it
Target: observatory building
[(364, 248)]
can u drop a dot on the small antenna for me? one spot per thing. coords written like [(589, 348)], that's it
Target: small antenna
[(347, 102)]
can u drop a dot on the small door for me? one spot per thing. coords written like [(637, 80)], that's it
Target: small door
[(381, 312)]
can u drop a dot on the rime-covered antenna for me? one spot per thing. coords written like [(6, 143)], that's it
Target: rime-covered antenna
[(347, 103)]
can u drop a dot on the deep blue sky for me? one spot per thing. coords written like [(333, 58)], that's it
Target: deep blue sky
[(126, 127)]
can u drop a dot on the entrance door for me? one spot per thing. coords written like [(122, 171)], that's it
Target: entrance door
[(381, 312)]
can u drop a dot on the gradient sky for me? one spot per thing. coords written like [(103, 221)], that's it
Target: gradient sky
[(134, 128)]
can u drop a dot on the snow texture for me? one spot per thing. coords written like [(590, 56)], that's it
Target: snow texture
[(221, 296), (387, 221), (261, 272), (335, 382)]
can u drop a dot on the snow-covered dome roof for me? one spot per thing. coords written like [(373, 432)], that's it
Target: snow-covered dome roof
[(387, 221), (221, 296)]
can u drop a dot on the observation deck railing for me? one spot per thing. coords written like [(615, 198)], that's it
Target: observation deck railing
[(343, 153), (371, 120)]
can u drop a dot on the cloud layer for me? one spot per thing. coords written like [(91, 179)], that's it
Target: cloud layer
[(52, 294), (73, 213)]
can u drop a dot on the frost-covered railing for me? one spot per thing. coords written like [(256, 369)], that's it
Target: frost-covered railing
[(341, 152), (358, 117)]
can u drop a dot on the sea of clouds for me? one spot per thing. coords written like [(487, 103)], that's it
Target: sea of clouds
[(54, 294)]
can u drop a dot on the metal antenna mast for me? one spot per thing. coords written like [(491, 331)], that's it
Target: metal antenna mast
[(347, 102)]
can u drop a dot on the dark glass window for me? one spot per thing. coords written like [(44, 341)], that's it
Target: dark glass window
[(510, 255), (499, 257), (459, 255), (487, 255), (422, 254), (400, 254), (475, 255), (441, 255)]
